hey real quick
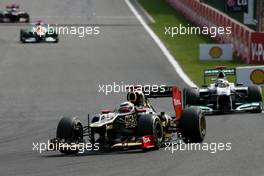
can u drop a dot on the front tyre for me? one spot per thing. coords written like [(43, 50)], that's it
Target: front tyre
[(21, 37), (191, 96), (70, 129), (193, 125), (27, 18), (151, 125), (255, 96)]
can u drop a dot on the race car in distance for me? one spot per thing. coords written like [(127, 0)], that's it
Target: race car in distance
[(38, 32), (223, 96), (135, 124), (12, 14)]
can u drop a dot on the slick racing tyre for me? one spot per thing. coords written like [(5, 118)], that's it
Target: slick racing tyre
[(71, 130), (26, 16), (150, 125), (255, 96), (22, 36), (1, 17), (193, 125), (191, 96)]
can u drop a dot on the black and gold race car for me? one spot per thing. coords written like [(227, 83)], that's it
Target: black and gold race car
[(12, 14), (135, 124)]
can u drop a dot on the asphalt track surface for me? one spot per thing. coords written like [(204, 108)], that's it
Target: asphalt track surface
[(39, 83)]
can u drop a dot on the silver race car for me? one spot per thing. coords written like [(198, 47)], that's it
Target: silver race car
[(222, 96), (38, 32)]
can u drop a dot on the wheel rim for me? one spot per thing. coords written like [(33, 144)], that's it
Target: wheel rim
[(78, 132), (202, 124), (158, 132)]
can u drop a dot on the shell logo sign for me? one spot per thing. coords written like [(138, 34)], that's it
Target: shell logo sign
[(216, 52), (250, 75), (257, 76)]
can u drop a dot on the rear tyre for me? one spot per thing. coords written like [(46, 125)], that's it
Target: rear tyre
[(57, 40), (151, 125), (255, 95), (191, 96), (24, 18), (27, 18), (70, 129), (6, 19), (21, 36), (1, 17), (193, 125)]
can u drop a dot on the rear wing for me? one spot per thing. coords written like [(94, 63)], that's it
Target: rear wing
[(214, 72), (162, 92)]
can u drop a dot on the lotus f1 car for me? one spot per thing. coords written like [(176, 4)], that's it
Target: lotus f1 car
[(37, 33), (223, 96), (135, 124), (13, 14)]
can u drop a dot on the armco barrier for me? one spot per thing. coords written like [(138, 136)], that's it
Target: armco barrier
[(250, 49)]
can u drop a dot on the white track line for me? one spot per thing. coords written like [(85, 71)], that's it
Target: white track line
[(145, 12), (164, 50)]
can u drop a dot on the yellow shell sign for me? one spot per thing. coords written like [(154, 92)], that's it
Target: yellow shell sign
[(257, 76), (215, 52)]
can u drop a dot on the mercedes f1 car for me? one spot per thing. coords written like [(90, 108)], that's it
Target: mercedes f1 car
[(13, 14), (37, 33), (223, 96), (135, 124)]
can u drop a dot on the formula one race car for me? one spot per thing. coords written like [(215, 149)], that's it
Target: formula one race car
[(135, 124), (38, 32), (13, 14), (223, 96)]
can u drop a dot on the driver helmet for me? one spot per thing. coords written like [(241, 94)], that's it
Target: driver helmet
[(39, 23), (13, 9), (221, 83), (126, 107), (218, 81), (137, 98), (221, 75)]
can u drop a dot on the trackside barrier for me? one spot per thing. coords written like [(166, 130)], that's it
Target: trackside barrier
[(248, 44)]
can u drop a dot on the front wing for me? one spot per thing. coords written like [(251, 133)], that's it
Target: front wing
[(243, 107)]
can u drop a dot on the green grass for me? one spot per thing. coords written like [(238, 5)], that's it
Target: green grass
[(185, 48)]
